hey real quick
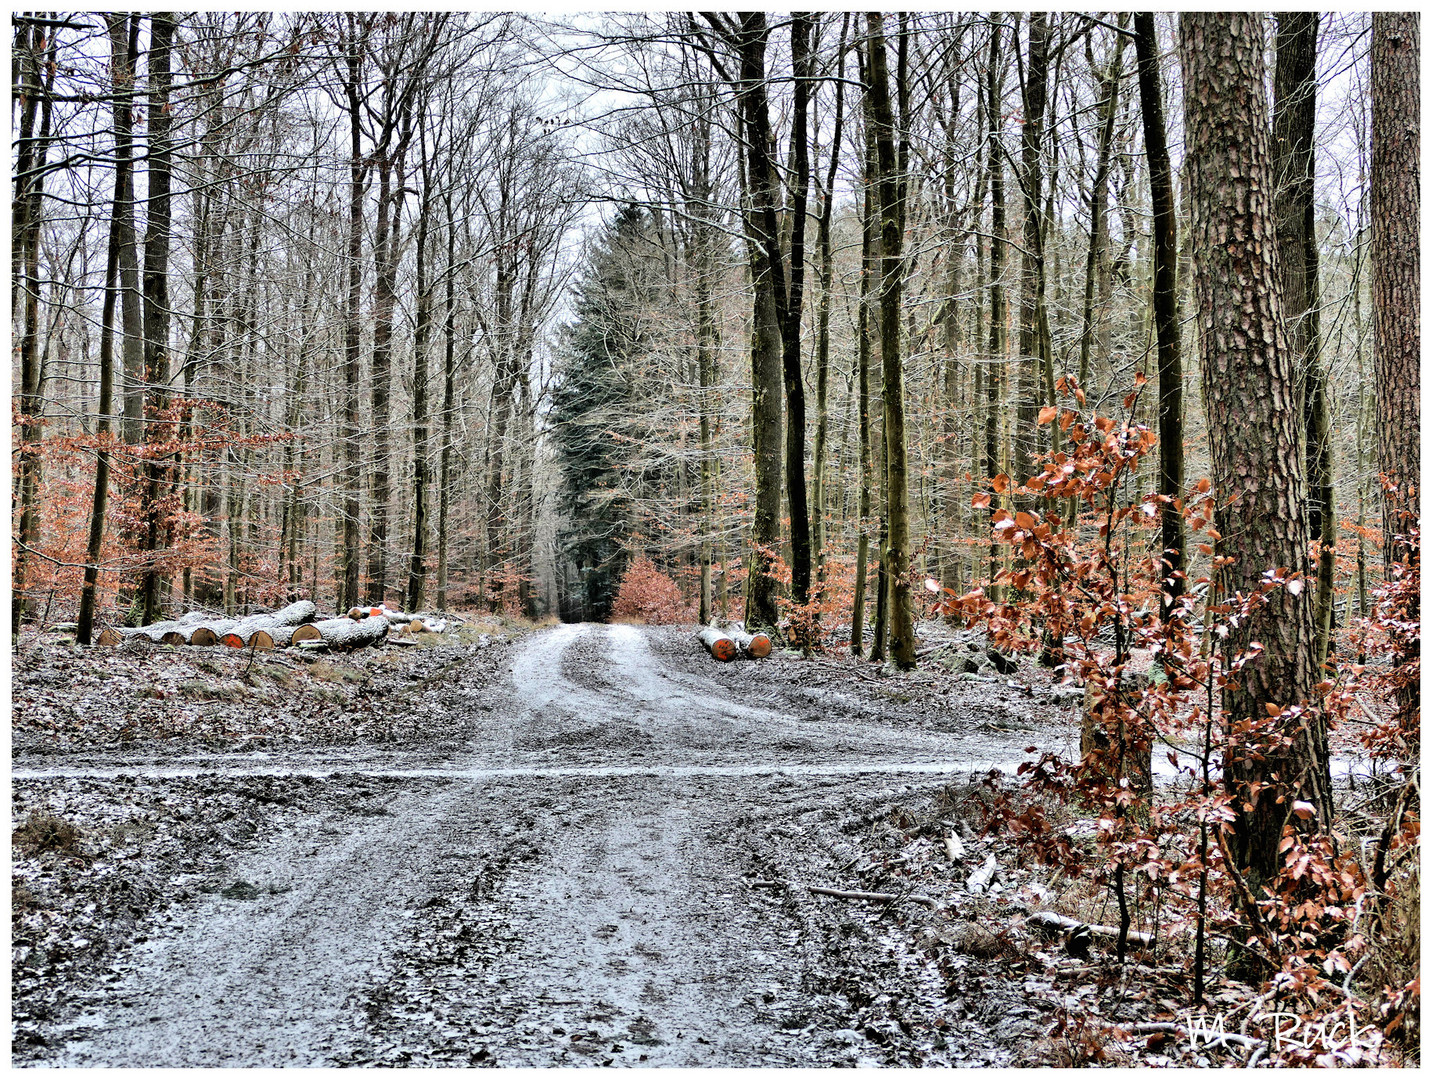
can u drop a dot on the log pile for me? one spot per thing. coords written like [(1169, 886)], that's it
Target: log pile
[(293, 625), (728, 645)]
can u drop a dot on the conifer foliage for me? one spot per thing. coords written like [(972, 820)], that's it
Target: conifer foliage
[(595, 417)]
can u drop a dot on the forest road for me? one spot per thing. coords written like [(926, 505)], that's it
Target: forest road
[(575, 889)]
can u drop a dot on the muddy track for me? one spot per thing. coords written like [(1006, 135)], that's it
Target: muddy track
[(573, 888)]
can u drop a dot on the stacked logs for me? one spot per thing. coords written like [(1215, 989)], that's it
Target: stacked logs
[(726, 645), (292, 625)]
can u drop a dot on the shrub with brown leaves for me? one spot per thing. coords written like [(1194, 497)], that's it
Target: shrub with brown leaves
[(647, 595)]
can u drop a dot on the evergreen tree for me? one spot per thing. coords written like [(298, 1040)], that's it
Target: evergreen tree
[(593, 409)]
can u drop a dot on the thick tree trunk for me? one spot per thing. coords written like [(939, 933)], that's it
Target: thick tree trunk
[(902, 616), (103, 429), (417, 568), (770, 299), (1250, 395), (36, 70), (449, 380), (862, 348), (348, 585), (1032, 269), (1396, 269), (803, 62), (156, 295), (385, 255), (1165, 313)]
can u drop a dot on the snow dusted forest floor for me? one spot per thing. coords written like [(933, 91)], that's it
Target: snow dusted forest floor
[(583, 845)]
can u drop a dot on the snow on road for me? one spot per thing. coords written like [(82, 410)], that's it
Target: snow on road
[(568, 890)]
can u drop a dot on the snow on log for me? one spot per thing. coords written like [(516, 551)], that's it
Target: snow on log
[(752, 646), (718, 644), (1052, 921), (344, 633)]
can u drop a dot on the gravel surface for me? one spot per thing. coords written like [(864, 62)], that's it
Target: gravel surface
[(592, 846)]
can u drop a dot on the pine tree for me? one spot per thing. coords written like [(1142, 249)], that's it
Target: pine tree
[(593, 406)]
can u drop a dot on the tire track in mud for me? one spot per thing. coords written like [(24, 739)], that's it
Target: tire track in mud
[(568, 892)]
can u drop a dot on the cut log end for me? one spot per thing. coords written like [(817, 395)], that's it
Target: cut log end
[(203, 636), (718, 644), (108, 636), (261, 640), (174, 637), (306, 632), (760, 646)]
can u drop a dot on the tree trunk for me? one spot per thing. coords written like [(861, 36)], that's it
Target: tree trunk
[(1294, 110), (352, 327), (766, 346), (156, 295), (1032, 270), (1165, 313), (862, 348), (998, 345), (417, 568), (34, 56), (803, 63), (1396, 270), (385, 260), (449, 378), (902, 616), (822, 346), (1250, 394)]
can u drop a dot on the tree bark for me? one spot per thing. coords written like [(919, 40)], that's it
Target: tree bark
[(36, 70), (998, 345), (1294, 110), (352, 328), (1165, 313), (1032, 269), (892, 278), (1396, 270), (862, 349), (1250, 394), (156, 296), (766, 344)]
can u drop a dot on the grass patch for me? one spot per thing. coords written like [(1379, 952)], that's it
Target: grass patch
[(46, 832)]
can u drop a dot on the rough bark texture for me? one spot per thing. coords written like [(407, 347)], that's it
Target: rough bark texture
[(1250, 395), (1165, 309), (1396, 264)]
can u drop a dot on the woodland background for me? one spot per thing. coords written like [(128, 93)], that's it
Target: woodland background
[(458, 309)]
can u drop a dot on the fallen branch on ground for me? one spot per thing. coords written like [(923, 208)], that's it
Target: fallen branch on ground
[(1049, 920)]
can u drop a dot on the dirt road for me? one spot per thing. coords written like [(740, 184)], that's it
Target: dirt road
[(574, 887)]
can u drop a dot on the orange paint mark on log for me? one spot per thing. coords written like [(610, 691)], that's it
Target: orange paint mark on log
[(724, 650), (233, 641), (760, 645)]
